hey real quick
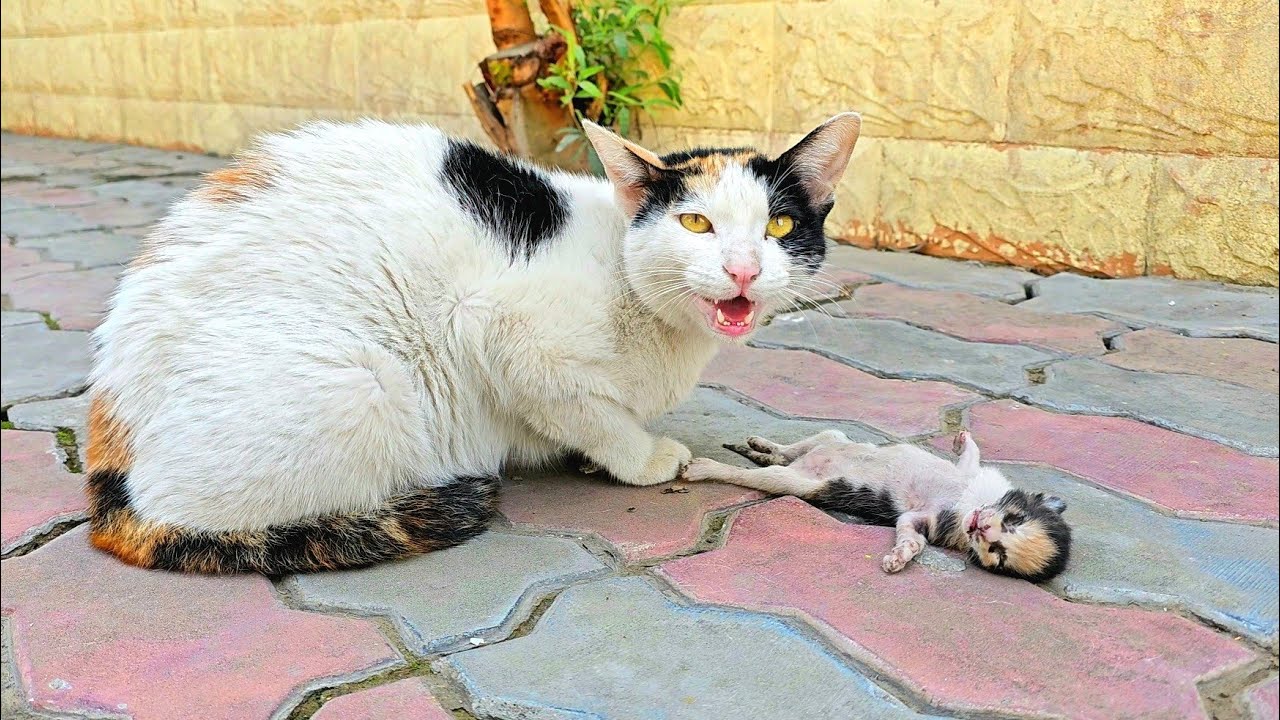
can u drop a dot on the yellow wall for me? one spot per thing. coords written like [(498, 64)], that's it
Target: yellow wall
[(1118, 138)]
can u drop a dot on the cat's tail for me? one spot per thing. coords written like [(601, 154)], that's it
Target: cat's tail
[(412, 523)]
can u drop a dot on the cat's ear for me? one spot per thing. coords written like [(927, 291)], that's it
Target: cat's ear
[(1056, 504), (820, 158), (629, 166)]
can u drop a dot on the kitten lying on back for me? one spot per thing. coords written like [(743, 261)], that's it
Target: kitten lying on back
[(963, 506)]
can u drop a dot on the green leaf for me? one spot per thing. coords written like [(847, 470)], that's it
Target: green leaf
[(624, 121), (555, 81), (569, 139), (589, 71), (586, 88)]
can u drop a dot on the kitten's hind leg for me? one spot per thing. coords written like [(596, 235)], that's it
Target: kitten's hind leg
[(775, 479), (755, 455), (910, 541), (800, 447)]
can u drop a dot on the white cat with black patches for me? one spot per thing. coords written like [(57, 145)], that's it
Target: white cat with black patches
[(325, 354), (963, 506)]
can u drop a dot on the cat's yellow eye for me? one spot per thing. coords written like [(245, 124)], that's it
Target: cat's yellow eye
[(695, 223), (779, 226)]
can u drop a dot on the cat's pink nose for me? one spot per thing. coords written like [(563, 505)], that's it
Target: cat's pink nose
[(743, 274)]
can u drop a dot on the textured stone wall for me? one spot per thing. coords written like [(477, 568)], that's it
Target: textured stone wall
[(1112, 138)]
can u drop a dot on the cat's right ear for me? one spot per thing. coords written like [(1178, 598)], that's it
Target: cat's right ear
[(629, 167)]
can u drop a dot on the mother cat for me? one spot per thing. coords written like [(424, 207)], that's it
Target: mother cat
[(324, 355)]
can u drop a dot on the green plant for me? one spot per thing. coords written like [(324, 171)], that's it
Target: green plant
[(616, 68)]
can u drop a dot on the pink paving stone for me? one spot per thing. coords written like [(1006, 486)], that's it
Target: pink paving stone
[(404, 700), (808, 385), (968, 641), (118, 213), (92, 635), (974, 318), (1188, 475), (641, 522), (59, 197), (1264, 700), (76, 299), (36, 490), (1238, 360), (20, 263)]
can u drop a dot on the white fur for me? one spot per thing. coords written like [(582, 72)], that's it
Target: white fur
[(350, 333)]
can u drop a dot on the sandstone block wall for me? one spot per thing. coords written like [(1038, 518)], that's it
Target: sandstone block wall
[(1110, 138)]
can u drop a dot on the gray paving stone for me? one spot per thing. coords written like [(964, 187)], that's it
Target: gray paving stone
[(619, 649), (709, 418), (1231, 414), (440, 601), (39, 363), (1126, 552), (1200, 309), (13, 318), (87, 249), (157, 192), (900, 350), (39, 222), (931, 273), (70, 412)]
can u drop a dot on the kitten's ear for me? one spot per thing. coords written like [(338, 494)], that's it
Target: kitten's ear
[(820, 158), (628, 165), (1056, 504)]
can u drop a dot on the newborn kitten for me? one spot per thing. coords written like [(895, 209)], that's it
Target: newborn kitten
[(929, 500)]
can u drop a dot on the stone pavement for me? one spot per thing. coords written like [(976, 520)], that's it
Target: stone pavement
[(1150, 405)]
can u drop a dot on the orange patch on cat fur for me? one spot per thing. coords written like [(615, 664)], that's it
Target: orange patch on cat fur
[(109, 438), (237, 181), (126, 538)]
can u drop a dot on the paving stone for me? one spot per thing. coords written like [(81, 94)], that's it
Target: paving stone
[(11, 318), (22, 263), (931, 273), (893, 348), (1207, 408), (1188, 476), (169, 646), (88, 249), (58, 196), (619, 649), (37, 363), (1201, 309), (38, 222), (440, 601), (76, 299), (50, 415), (643, 523), (403, 700), (1226, 574), (981, 319), (149, 192), (808, 385), (972, 641), (1252, 363), (1263, 700), (38, 491)]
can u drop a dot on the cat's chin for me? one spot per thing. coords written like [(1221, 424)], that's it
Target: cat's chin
[(733, 319)]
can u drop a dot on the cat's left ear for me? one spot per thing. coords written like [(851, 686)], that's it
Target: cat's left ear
[(629, 167), (820, 158), (1056, 504)]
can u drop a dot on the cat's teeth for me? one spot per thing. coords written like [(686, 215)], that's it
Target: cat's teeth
[(750, 316), (720, 317)]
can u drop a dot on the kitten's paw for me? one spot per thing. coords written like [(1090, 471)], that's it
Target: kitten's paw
[(957, 446), (589, 467), (901, 555), (664, 464), (762, 445), (892, 563), (700, 469)]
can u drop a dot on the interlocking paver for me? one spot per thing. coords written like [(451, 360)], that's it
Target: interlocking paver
[(930, 273), (92, 635), (408, 699), (12, 318), (159, 192), (981, 319), (1226, 574), (642, 523), (1263, 700), (1192, 477), (808, 385), (1201, 309), (619, 649), (37, 363), (76, 298), (900, 350), (21, 263), (970, 641), (87, 249), (1253, 363), (38, 492), (441, 600), (1227, 413), (50, 415)]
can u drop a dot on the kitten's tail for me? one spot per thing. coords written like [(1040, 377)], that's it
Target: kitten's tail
[(412, 523)]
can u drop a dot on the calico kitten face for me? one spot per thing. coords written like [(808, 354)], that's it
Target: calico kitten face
[(1023, 535), (719, 238)]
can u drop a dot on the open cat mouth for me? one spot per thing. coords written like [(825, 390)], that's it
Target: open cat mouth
[(732, 317)]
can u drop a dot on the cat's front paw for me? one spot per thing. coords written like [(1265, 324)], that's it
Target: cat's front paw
[(664, 464), (892, 563), (700, 469)]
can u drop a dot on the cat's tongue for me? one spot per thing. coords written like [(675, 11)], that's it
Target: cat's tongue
[(735, 315)]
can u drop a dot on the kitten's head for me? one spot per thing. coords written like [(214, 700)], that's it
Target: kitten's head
[(720, 238), (1022, 535)]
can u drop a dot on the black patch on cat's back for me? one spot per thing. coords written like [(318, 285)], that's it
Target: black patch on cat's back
[(516, 204), (876, 507)]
